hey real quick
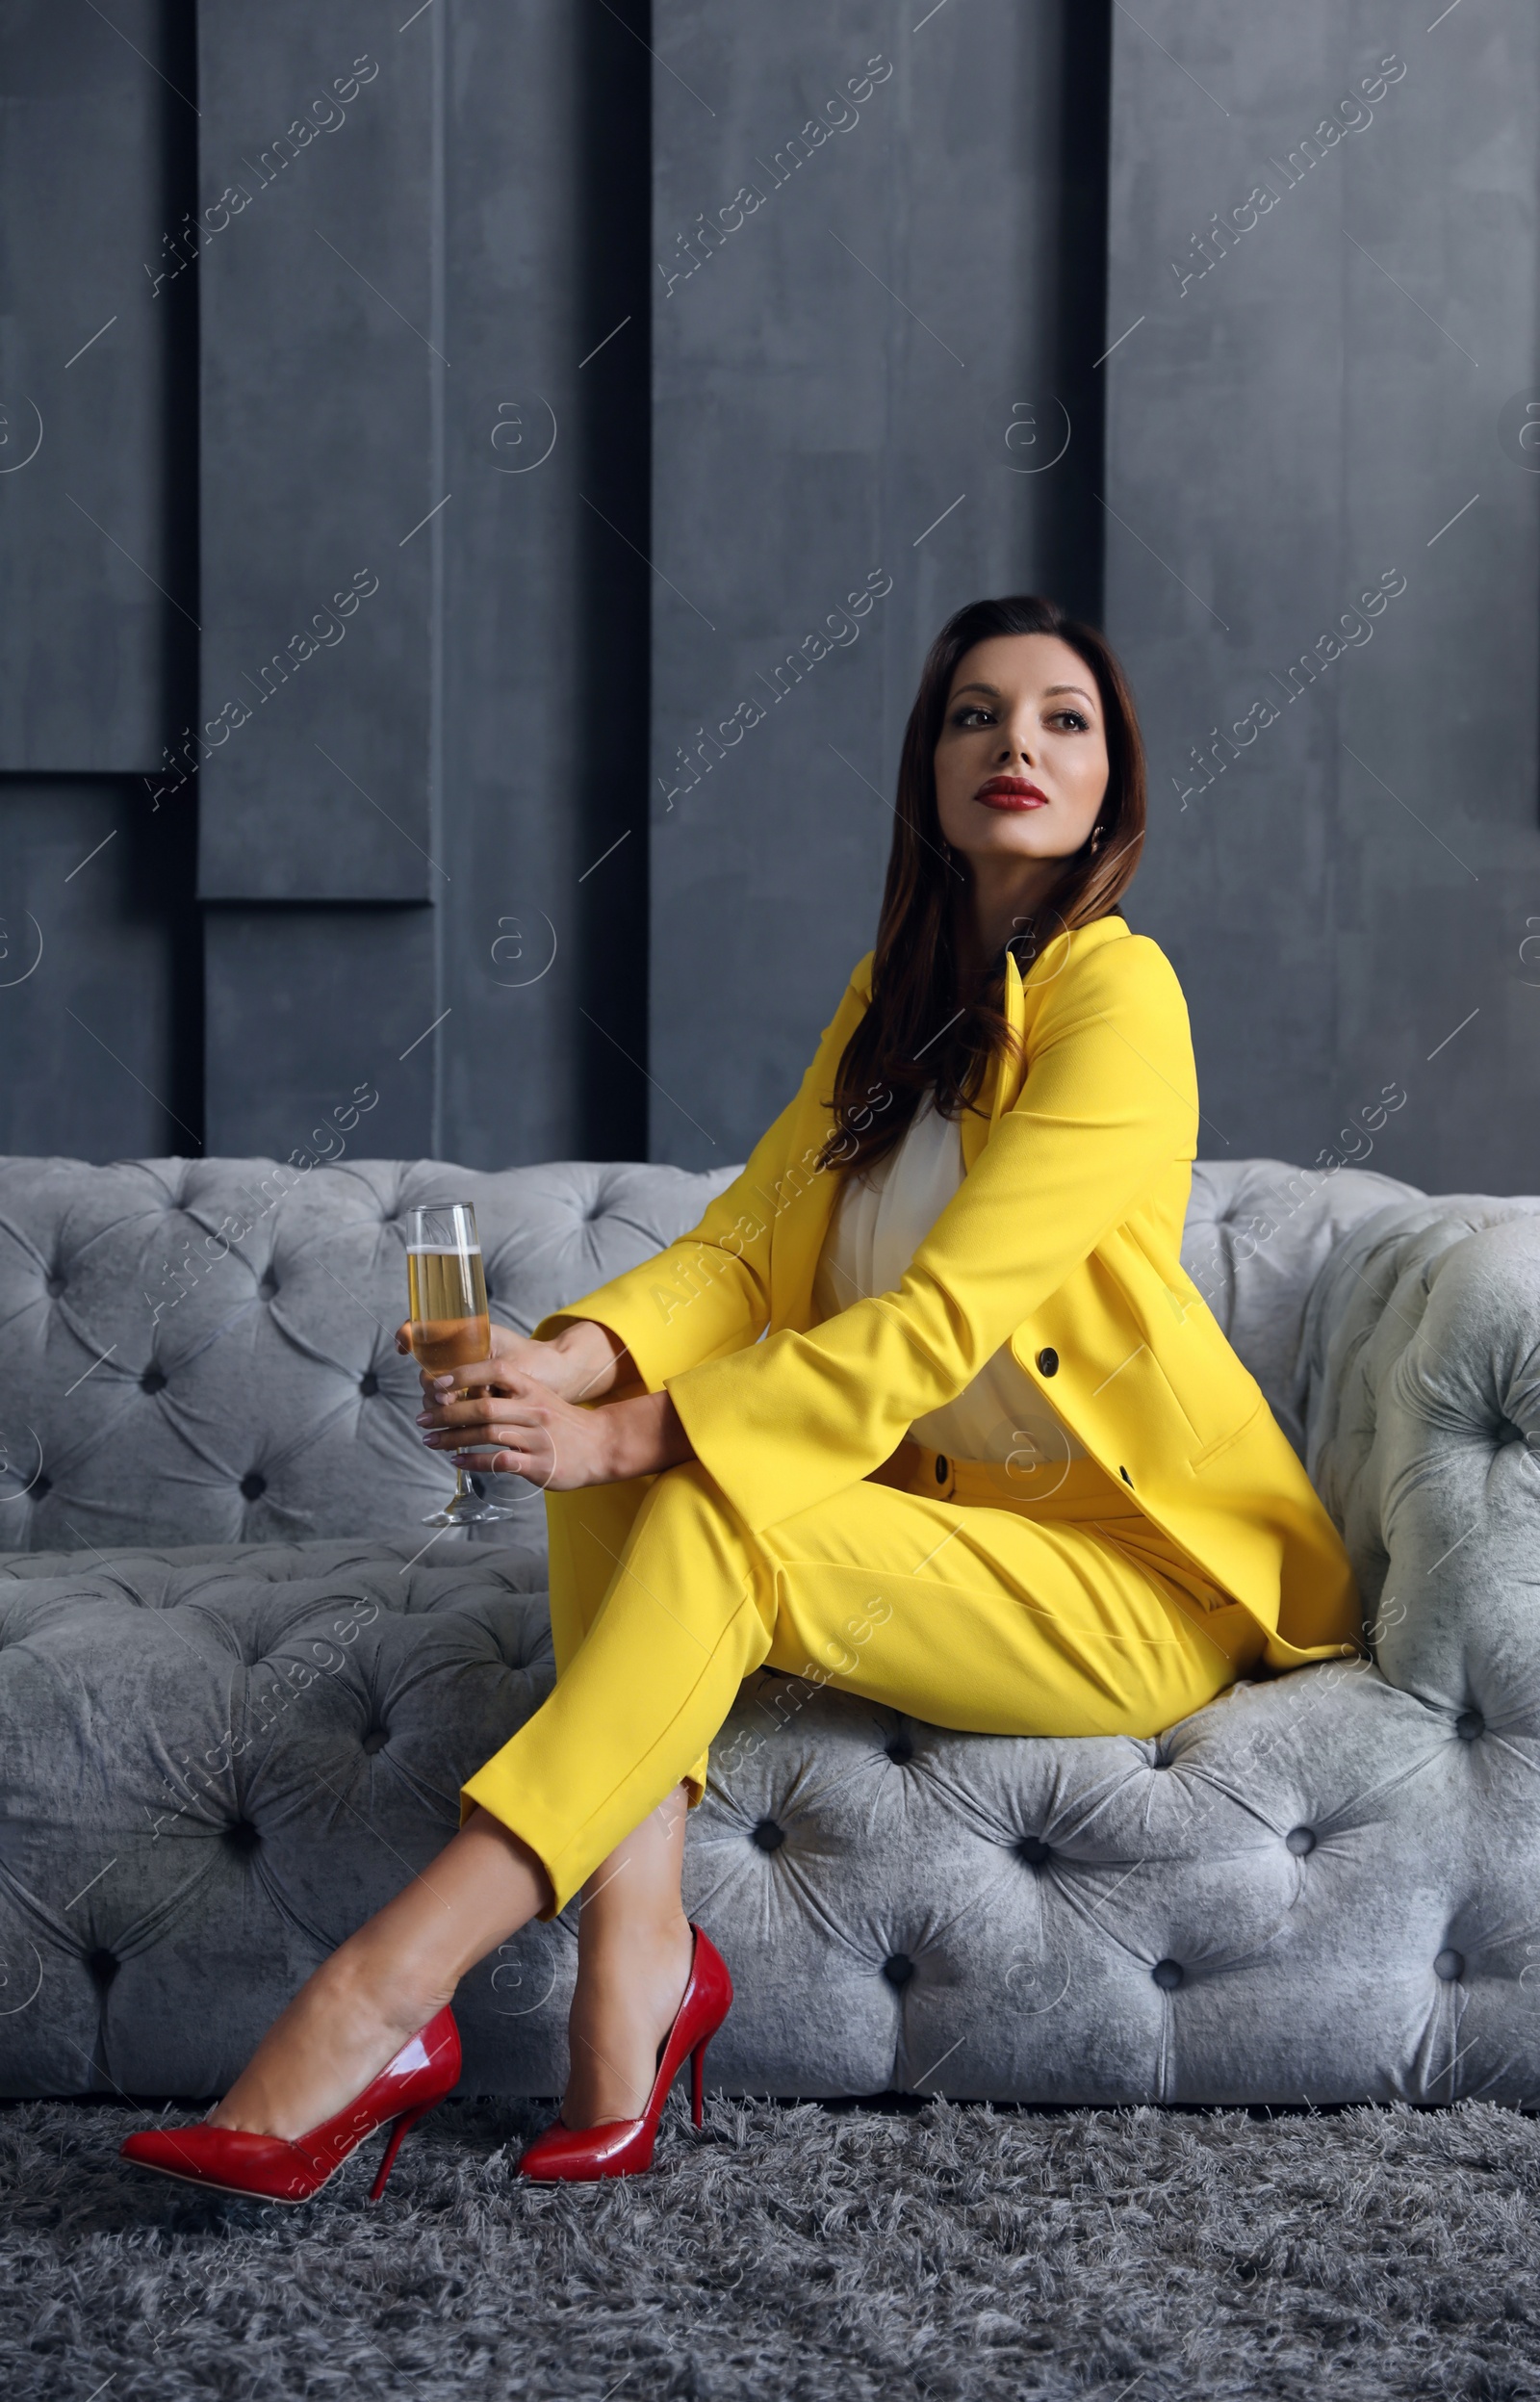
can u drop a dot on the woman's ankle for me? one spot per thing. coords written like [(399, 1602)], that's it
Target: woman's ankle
[(635, 1949), (371, 1979)]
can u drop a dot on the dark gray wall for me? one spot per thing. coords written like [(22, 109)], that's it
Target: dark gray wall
[(1305, 416), (612, 381), (101, 973), (332, 268), (394, 402), (899, 331)]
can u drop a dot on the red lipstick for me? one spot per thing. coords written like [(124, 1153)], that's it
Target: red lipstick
[(1011, 792)]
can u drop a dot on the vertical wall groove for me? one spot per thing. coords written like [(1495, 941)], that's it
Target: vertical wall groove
[(614, 235)]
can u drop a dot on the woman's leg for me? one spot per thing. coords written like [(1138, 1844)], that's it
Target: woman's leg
[(971, 1617), (634, 1962), (386, 1982), (586, 1534), (634, 1940), (975, 1617)]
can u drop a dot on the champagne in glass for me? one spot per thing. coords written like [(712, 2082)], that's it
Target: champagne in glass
[(452, 1327)]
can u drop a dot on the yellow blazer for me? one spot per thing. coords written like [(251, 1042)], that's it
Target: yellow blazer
[(1063, 1240)]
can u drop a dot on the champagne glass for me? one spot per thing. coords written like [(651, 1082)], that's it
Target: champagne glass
[(451, 1323)]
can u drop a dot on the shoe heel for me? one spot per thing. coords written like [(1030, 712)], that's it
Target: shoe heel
[(698, 2083), (397, 2136)]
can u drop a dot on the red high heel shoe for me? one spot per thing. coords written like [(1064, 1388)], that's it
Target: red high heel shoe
[(271, 2168), (622, 2147)]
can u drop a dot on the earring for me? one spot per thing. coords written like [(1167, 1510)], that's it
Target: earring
[(1097, 839)]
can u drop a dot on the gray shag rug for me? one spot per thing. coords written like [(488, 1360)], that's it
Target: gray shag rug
[(798, 2251)]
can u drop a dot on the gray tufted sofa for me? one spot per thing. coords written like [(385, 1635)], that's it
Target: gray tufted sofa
[(239, 1683)]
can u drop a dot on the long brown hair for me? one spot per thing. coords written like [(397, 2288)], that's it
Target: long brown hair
[(915, 1038)]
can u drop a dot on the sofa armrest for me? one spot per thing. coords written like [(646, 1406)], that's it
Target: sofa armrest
[(1421, 1348)]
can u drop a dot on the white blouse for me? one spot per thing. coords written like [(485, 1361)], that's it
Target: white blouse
[(878, 1224)]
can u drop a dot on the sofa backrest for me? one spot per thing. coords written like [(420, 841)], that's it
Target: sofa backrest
[(1258, 1234), (201, 1350)]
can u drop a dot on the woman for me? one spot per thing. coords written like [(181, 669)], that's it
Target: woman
[(993, 1464)]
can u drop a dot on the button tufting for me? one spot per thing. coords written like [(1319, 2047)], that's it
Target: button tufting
[(768, 1836), (1033, 1850), (55, 1286), (1048, 1362), (1468, 1724), (899, 1749), (253, 1487), (268, 1285), (241, 1836), (1127, 1478), (368, 1384), (1168, 1974), (1300, 1840), (375, 1739), (1449, 1966), (898, 1970), (39, 1486), (102, 1964), (153, 1379)]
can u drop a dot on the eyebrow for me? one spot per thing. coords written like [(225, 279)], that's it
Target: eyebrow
[(994, 690)]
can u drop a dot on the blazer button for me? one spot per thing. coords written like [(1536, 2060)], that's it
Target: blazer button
[(942, 1470), (1048, 1362)]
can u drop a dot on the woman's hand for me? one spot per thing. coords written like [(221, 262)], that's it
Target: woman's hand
[(518, 1426), (581, 1362)]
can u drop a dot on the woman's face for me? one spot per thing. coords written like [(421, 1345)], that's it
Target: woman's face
[(1022, 761)]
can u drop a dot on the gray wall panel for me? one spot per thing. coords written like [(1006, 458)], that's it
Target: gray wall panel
[(99, 578), (1353, 880), (98, 961), (320, 344), (475, 742), (305, 1006), (546, 602), (887, 339)]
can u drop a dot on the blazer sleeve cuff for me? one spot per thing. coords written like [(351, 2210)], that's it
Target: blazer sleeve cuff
[(670, 1311), (776, 1442)]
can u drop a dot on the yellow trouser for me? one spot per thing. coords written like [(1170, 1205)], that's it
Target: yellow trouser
[(954, 1600)]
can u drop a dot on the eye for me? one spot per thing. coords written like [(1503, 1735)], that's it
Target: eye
[(973, 713), (1072, 718)]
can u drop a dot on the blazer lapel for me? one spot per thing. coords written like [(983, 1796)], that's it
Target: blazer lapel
[(803, 1196), (802, 1203), (1004, 1081)]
